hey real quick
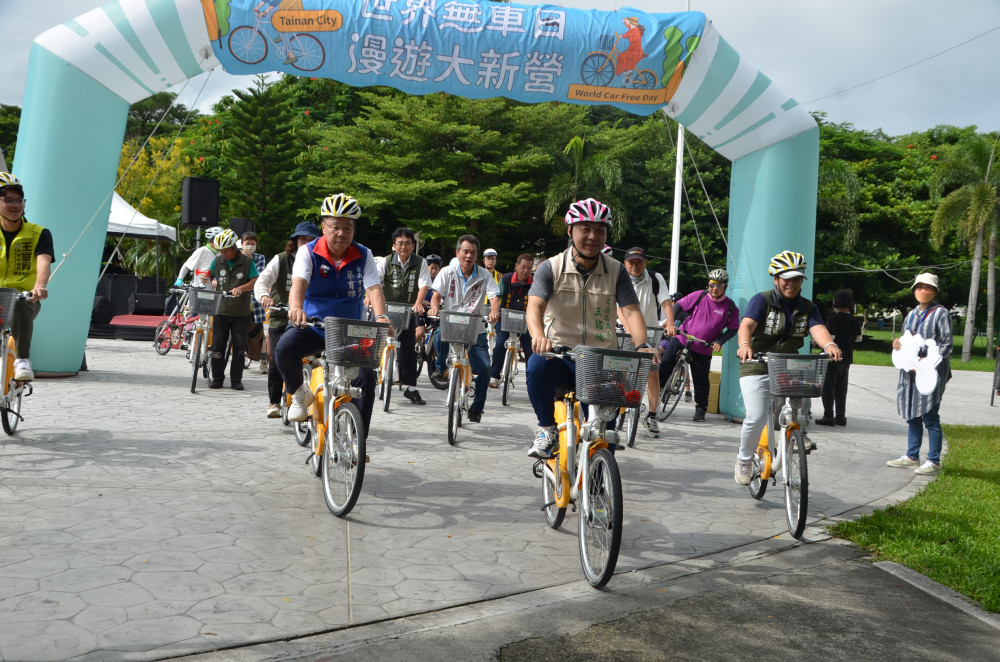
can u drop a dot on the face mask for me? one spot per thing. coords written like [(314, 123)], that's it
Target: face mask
[(248, 249)]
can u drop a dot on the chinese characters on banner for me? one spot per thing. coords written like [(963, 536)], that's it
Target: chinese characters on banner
[(533, 54)]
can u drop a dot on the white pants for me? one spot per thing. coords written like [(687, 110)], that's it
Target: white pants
[(757, 400)]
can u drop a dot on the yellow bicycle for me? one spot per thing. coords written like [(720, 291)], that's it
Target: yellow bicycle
[(13, 390)]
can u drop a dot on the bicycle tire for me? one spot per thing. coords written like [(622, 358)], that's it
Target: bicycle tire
[(10, 415), (631, 421), (385, 390), (757, 486), (597, 69), (245, 46), (644, 80), (419, 351), (195, 361), (506, 376), (600, 529), (554, 515), (431, 360), (796, 480), (343, 457), (162, 340), (310, 52), (454, 407), (670, 394), (303, 435), (315, 461)]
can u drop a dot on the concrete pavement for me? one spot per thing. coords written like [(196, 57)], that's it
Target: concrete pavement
[(143, 522)]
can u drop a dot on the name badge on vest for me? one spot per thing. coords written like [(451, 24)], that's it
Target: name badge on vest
[(238, 275), (222, 273)]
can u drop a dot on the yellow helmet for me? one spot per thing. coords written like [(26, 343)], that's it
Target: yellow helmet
[(788, 264), (340, 206), (225, 239)]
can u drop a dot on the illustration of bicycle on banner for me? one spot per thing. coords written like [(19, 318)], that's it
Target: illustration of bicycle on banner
[(250, 44), (599, 68)]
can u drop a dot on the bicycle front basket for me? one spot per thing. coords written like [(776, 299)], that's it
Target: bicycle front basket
[(796, 375), (607, 42), (653, 336), (611, 377), (460, 327), (513, 321), (354, 343), (399, 314), (206, 302), (8, 297)]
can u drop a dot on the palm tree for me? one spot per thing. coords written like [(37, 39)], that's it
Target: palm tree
[(597, 176), (972, 209), (839, 190)]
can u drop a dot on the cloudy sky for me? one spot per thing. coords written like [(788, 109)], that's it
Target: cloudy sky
[(818, 51)]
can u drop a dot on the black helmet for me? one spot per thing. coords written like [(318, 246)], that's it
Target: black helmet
[(433, 258)]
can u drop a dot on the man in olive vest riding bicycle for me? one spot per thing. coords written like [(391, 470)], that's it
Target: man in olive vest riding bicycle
[(25, 265), (406, 279), (572, 301)]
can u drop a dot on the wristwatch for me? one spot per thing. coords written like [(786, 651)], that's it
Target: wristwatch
[(644, 345)]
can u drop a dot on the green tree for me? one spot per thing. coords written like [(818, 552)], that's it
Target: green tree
[(972, 210), (159, 110), (255, 160), (594, 175), (10, 118)]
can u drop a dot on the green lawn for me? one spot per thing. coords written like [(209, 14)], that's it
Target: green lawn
[(949, 532), (876, 349)]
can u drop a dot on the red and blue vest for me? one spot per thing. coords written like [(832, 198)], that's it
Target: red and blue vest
[(335, 289)]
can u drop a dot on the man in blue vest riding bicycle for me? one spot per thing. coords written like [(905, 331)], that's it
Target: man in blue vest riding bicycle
[(331, 277)]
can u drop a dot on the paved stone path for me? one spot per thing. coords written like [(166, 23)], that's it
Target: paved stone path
[(142, 522)]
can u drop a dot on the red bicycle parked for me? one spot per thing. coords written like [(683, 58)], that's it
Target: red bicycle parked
[(171, 332)]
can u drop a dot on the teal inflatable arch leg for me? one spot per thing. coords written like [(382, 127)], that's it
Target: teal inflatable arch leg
[(772, 207), (75, 149)]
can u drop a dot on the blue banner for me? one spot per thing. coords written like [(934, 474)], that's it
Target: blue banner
[(478, 49)]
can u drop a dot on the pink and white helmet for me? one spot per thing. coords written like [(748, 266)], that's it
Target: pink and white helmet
[(588, 211)]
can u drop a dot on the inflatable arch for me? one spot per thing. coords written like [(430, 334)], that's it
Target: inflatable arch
[(84, 74)]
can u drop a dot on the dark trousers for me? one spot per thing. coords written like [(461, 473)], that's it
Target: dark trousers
[(274, 382), (295, 345), (700, 366), (499, 350), (224, 327), (23, 325), (835, 389), (407, 354)]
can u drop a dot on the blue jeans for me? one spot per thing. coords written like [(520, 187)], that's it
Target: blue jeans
[(479, 359), (441, 352), (932, 421)]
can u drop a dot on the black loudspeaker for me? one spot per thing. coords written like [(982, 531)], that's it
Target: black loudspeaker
[(200, 202), (101, 313), (241, 225)]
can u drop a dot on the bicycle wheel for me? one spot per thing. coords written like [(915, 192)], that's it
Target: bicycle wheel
[(387, 378), (670, 394), (10, 415), (162, 340), (431, 360), (343, 457), (454, 406), (644, 80), (796, 482), (247, 45), (309, 51), (195, 360), (506, 376), (315, 461), (757, 485), (550, 490), (419, 351), (600, 528), (631, 422), (597, 69)]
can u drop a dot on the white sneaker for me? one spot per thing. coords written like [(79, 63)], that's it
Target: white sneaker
[(23, 371), (928, 468), (742, 472), (651, 425), (545, 439), (495, 382), (299, 409), (273, 411), (903, 461), (263, 366)]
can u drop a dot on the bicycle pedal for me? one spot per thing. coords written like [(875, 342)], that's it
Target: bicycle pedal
[(538, 471), (309, 459), (547, 506)]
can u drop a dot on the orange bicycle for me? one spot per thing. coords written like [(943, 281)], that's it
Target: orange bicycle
[(599, 67)]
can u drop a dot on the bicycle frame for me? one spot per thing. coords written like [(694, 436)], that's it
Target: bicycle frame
[(775, 463), (593, 434), (460, 359), (328, 381)]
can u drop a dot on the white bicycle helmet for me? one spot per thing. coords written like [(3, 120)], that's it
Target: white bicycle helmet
[(212, 233), (588, 211), (225, 239), (718, 275), (340, 206), (787, 264)]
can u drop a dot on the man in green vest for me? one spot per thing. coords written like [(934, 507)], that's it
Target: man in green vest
[(235, 273), (406, 279), (271, 289), (26, 261)]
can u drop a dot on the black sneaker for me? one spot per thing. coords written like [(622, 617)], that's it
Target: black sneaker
[(475, 416), (699, 415), (414, 397), (237, 386), (217, 383), (440, 376)]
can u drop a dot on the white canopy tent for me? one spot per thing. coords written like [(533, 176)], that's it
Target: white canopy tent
[(126, 220)]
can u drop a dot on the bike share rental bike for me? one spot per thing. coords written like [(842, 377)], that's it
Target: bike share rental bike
[(583, 471), (796, 377), (400, 315), (205, 304), (630, 419), (13, 390), (515, 323), (460, 330)]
